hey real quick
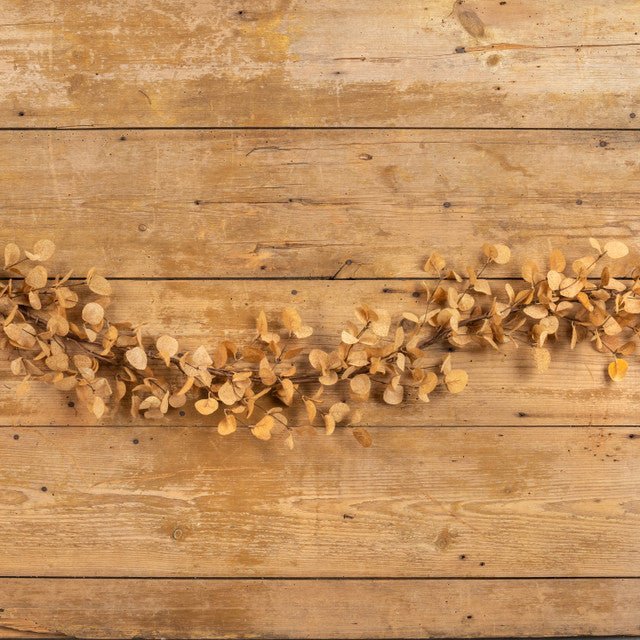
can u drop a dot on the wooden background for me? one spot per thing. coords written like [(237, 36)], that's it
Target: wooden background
[(218, 156)]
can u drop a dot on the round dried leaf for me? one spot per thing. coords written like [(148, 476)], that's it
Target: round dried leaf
[(37, 277), (503, 254), (554, 279), (227, 425), (393, 394), (616, 249), (22, 334), (93, 313), (227, 394), (360, 384), (348, 338), (167, 348), (456, 380), (42, 250), (339, 411), (11, 254), (618, 369), (100, 285), (206, 406), (262, 430), (137, 358)]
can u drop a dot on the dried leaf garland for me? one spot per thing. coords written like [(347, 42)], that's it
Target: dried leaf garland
[(60, 333)]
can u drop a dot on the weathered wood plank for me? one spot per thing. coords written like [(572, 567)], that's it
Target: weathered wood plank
[(504, 388), (285, 62), (302, 203), (319, 608), (420, 502)]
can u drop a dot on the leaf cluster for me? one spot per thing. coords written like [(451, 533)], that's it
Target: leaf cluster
[(59, 331)]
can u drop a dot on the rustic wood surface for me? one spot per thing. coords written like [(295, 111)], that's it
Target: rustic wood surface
[(319, 63), (421, 502), (301, 203), (222, 157), (323, 608)]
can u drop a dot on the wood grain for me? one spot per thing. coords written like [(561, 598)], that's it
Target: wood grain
[(504, 388), (421, 502), (318, 608), (302, 203), (297, 63)]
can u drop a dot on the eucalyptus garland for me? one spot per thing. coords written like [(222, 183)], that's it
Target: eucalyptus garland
[(58, 332)]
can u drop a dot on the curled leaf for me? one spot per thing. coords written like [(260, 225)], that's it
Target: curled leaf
[(206, 406), (227, 425), (618, 369), (167, 348)]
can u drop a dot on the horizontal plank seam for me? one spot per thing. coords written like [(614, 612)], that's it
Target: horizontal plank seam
[(310, 128), (45, 636), (319, 578)]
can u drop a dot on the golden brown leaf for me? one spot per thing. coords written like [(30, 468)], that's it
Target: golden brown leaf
[(37, 277), (167, 348), (11, 254), (618, 369), (262, 430), (206, 406), (137, 358), (93, 313), (362, 436), (616, 249), (227, 425), (456, 380)]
